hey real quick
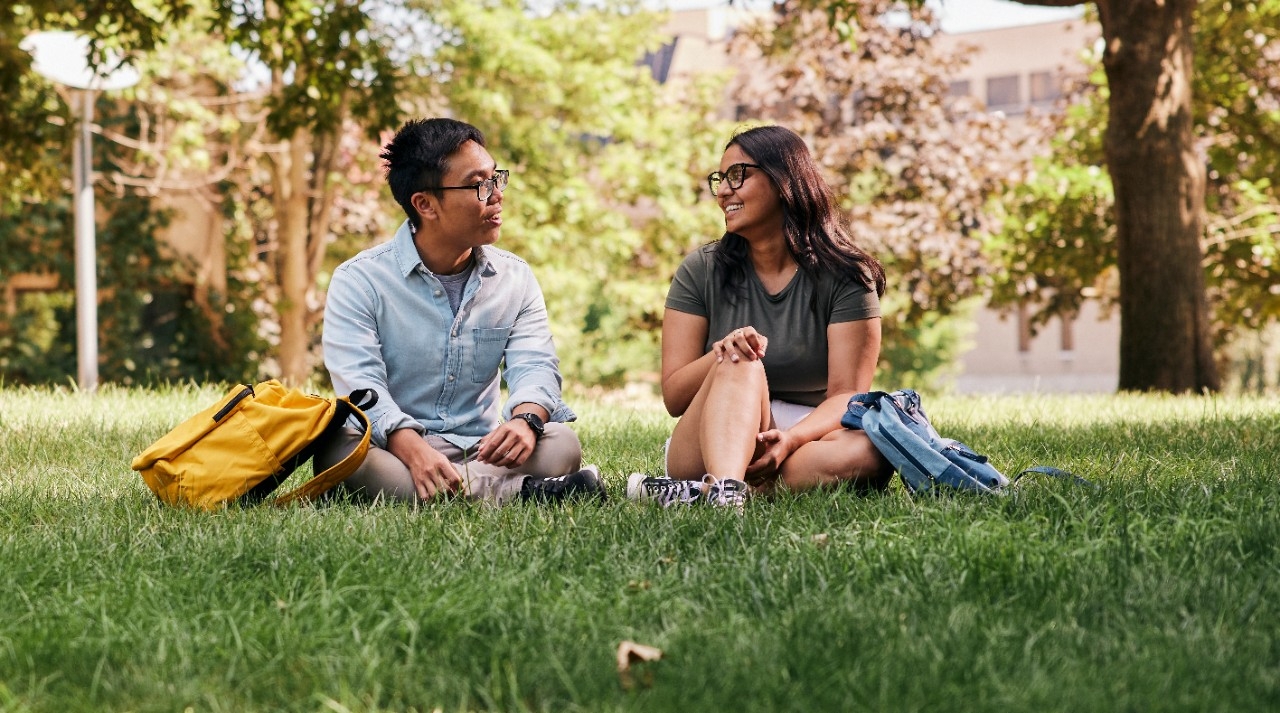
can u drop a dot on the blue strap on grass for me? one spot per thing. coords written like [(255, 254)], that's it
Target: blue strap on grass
[(1055, 473)]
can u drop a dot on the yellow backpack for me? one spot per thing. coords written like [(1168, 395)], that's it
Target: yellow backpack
[(243, 447)]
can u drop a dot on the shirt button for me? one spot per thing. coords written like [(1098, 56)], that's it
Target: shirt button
[(439, 292), (451, 377)]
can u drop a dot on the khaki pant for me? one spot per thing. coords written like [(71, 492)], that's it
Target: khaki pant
[(382, 476)]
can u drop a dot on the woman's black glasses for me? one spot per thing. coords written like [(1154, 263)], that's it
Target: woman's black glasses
[(734, 175)]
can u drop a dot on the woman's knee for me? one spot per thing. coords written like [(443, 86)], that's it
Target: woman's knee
[(859, 459), (740, 374)]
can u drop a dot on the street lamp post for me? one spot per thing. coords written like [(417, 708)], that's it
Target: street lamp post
[(63, 57)]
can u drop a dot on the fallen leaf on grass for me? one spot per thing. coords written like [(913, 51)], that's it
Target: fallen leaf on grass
[(629, 652)]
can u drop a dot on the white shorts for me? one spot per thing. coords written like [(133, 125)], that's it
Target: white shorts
[(785, 415)]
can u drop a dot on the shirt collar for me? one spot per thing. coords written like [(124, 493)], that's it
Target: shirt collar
[(408, 260), (406, 252)]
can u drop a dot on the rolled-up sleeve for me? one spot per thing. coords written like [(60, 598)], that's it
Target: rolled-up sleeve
[(532, 369), (353, 352)]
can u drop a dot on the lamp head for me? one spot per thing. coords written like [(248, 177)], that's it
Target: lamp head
[(63, 57)]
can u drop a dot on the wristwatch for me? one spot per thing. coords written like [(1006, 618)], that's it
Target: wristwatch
[(535, 424)]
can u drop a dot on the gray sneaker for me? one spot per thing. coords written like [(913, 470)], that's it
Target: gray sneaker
[(663, 490), (726, 492)]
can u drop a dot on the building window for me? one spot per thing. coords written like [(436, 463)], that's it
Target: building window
[(1002, 92), (1024, 328), (1046, 87), (958, 88)]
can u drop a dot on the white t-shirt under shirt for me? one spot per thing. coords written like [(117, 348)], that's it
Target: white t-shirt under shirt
[(796, 361)]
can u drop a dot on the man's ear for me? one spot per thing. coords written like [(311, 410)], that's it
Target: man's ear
[(427, 206)]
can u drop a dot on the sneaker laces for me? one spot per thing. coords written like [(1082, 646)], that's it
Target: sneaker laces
[(726, 492), (664, 490), (673, 491)]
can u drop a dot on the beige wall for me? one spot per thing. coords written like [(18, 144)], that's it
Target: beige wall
[(1006, 359), (195, 235)]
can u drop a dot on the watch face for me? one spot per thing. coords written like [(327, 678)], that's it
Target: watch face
[(534, 422)]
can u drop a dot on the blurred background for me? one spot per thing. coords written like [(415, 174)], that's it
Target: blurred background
[(966, 139)]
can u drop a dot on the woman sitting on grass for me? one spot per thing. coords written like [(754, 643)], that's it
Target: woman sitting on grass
[(767, 333)]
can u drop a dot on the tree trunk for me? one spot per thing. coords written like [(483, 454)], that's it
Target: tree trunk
[(304, 194), (1159, 180), (291, 203)]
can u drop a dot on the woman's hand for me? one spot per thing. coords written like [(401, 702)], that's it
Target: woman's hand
[(742, 343), (778, 445)]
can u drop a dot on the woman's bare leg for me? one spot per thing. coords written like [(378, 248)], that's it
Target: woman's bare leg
[(840, 456), (717, 434)]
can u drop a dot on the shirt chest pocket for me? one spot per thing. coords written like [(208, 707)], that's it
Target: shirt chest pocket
[(487, 350)]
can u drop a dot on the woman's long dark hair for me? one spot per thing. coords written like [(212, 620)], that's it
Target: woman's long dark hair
[(816, 235)]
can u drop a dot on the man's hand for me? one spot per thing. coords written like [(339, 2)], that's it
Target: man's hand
[(509, 446), (432, 473)]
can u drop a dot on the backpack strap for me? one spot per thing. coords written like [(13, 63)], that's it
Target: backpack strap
[(1055, 473), (346, 406)]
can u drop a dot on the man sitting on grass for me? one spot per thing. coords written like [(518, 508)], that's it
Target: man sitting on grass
[(427, 319)]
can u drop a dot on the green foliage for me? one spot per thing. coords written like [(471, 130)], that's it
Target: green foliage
[(922, 353), (153, 324), (329, 62), (153, 327), (1056, 243), (150, 326), (1155, 592), (1237, 82), (604, 200), (606, 194), (37, 343)]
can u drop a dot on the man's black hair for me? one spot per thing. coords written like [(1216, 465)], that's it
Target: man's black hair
[(418, 157)]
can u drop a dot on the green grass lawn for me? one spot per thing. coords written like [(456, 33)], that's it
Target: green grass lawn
[(1158, 591)]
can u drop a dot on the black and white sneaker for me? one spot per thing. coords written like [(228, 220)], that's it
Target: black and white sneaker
[(584, 484), (725, 492), (663, 490)]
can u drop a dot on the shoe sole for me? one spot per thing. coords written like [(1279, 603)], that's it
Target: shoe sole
[(635, 486)]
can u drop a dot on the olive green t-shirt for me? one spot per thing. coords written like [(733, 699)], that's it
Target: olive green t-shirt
[(796, 361)]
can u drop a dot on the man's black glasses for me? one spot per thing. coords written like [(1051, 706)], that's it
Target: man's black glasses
[(735, 175), (484, 188)]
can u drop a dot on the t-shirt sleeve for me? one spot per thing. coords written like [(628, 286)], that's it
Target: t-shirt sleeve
[(854, 302), (687, 287)]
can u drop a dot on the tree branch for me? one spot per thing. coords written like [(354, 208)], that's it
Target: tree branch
[(1049, 3)]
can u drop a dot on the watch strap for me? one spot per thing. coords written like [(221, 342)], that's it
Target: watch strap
[(535, 423)]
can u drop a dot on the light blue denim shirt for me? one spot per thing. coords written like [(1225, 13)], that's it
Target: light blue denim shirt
[(388, 326)]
